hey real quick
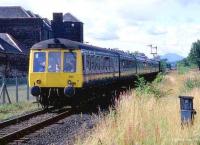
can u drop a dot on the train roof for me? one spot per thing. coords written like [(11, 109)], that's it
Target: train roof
[(69, 44)]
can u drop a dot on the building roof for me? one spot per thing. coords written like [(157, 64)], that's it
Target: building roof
[(8, 44), (31, 14), (47, 22), (13, 12), (68, 17)]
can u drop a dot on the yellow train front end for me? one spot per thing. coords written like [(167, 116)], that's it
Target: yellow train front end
[(54, 74)]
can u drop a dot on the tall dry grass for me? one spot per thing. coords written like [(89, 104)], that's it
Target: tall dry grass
[(147, 120)]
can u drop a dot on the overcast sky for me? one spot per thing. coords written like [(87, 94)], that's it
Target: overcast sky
[(172, 25)]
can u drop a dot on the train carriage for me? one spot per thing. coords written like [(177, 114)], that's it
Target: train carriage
[(61, 69)]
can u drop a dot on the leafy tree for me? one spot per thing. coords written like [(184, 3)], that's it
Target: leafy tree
[(185, 62), (194, 55), (163, 65)]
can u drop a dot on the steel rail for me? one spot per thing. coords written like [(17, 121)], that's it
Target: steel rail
[(30, 129), (21, 118)]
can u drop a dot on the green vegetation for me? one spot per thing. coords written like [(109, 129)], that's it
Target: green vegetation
[(193, 59), (145, 88), (144, 120), (8, 110), (182, 69), (194, 55), (191, 83), (164, 65)]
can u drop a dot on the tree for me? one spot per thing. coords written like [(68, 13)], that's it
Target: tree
[(194, 55), (163, 65), (184, 62)]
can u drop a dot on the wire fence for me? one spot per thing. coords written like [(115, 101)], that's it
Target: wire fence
[(14, 90)]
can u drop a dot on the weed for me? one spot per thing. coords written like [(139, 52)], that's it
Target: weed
[(159, 78), (8, 110), (145, 88), (144, 120), (191, 83), (182, 69)]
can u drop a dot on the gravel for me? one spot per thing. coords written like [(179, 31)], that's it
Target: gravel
[(63, 132)]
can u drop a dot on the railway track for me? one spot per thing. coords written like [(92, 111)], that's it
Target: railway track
[(15, 129)]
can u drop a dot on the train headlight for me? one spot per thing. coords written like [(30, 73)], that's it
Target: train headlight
[(38, 81), (69, 82)]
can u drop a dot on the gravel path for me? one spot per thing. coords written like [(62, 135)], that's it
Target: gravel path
[(63, 132)]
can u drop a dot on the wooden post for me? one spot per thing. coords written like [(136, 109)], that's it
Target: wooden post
[(4, 92), (17, 96), (27, 90), (4, 97)]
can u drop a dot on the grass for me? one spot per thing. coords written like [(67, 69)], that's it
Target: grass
[(9, 110), (182, 69), (149, 120), (22, 92), (145, 89), (22, 89)]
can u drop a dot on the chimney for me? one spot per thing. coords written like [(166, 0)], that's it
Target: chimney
[(67, 26), (58, 25), (58, 17)]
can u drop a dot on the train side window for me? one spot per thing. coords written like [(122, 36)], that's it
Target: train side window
[(116, 64), (87, 63), (69, 62), (111, 65), (97, 63), (83, 62), (106, 64), (39, 62), (54, 61), (102, 64), (92, 63)]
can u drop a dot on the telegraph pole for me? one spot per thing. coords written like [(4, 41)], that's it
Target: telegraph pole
[(153, 50)]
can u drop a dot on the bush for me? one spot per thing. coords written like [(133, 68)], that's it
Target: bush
[(182, 69), (191, 83), (159, 78), (145, 88)]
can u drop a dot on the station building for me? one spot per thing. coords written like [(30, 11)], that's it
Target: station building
[(24, 26), (20, 29)]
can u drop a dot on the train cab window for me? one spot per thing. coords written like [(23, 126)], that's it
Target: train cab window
[(69, 62), (39, 62), (54, 62)]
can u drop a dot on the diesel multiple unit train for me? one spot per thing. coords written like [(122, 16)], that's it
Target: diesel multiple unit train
[(65, 72)]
